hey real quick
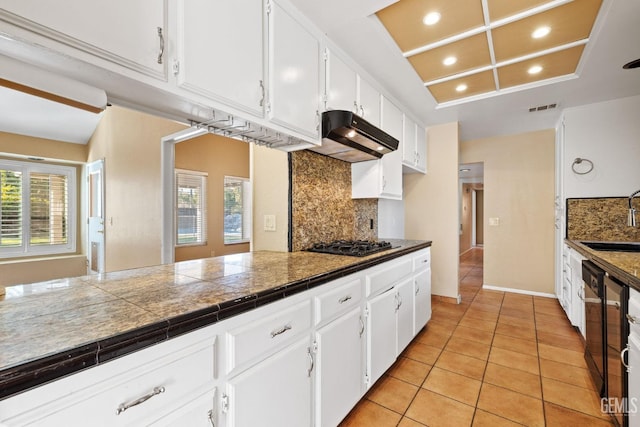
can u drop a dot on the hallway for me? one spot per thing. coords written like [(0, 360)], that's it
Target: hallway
[(496, 359)]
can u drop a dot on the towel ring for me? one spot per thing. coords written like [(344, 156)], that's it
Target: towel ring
[(579, 161)]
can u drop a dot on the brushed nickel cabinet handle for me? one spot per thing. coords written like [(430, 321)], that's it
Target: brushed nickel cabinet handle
[(124, 406), (626, 365), (632, 319), (161, 37), (361, 326), (311, 362), (280, 331), (344, 299)]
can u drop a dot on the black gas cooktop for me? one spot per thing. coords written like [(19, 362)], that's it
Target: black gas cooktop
[(351, 247)]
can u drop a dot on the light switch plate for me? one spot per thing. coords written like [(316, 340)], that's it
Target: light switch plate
[(269, 223), (494, 222)]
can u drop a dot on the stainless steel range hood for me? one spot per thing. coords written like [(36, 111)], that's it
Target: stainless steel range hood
[(351, 138)]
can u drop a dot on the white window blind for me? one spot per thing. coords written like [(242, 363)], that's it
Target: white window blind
[(237, 210), (37, 205), (191, 208)]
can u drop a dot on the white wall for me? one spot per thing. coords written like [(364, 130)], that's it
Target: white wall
[(390, 219), (608, 134)]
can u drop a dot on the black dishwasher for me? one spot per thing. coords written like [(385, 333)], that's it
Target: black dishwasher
[(594, 352), (617, 331)]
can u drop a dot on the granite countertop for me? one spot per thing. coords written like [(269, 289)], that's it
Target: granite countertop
[(625, 266), (52, 329)]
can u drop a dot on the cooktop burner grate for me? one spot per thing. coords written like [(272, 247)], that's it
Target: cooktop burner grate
[(351, 247)]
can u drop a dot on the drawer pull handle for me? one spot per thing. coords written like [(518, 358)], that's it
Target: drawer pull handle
[(124, 406), (282, 330), (161, 53), (625, 364), (344, 299), (632, 319)]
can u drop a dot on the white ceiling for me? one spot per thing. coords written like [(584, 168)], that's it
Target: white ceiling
[(351, 26)]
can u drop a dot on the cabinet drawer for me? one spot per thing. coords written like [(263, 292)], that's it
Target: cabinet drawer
[(265, 335), (159, 388), (422, 260), (384, 279), (338, 300)]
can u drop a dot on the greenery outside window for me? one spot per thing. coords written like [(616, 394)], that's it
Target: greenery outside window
[(237, 210), (37, 209), (191, 208)]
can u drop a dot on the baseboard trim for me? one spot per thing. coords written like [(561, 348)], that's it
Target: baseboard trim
[(448, 300), (519, 291)]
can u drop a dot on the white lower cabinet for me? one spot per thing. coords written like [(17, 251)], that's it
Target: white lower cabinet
[(381, 334), (405, 312), (422, 302), (198, 413), (633, 379), (274, 392), (339, 370)]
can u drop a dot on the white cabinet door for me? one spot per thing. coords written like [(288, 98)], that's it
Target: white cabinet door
[(409, 154), (381, 334), (275, 392), (421, 149), (577, 291), (198, 413), (294, 74), (422, 290), (339, 375), (405, 322), (220, 46), (392, 162), (369, 105), (341, 84), (634, 380), (131, 34)]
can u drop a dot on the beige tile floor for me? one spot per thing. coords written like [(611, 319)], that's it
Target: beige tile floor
[(497, 359)]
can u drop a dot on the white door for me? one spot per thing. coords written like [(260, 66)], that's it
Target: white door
[(409, 156), (381, 334), (392, 123), (294, 74), (223, 60), (341, 85), (339, 375), (95, 212), (422, 283), (405, 313), (275, 392)]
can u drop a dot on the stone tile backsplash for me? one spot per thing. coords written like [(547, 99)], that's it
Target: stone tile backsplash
[(322, 207), (600, 219)]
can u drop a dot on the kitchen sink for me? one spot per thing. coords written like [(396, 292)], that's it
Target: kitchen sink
[(613, 246)]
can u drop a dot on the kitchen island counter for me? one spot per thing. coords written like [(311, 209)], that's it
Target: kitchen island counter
[(52, 329)]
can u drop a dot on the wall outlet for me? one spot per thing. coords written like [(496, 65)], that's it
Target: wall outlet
[(269, 223)]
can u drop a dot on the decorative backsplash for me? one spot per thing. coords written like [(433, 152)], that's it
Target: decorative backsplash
[(600, 219), (322, 208)]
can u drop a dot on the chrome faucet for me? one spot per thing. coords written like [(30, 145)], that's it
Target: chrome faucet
[(631, 221)]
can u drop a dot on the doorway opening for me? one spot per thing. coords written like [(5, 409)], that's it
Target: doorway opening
[(471, 178)]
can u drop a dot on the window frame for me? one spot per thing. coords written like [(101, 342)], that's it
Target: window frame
[(203, 206), (246, 232), (27, 249)]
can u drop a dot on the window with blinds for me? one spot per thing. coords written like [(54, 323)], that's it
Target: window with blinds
[(237, 210), (191, 208), (37, 205)]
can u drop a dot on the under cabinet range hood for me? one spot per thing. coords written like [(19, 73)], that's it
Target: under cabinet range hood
[(351, 138)]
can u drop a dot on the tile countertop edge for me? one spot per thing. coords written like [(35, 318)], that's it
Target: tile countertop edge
[(615, 270), (22, 377)]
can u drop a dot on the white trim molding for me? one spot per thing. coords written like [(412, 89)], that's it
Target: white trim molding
[(519, 291)]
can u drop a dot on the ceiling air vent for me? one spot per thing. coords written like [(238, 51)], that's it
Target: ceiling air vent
[(543, 107)]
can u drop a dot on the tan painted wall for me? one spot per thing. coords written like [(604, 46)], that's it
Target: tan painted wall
[(129, 141), (519, 190), (270, 180), (45, 148), (431, 207), (219, 157)]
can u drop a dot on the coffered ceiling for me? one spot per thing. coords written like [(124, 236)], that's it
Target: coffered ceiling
[(465, 49)]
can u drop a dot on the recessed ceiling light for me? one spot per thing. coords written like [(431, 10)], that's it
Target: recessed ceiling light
[(450, 60), (461, 88), (540, 32), (351, 133), (380, 148), (535, 69), (431, 18)]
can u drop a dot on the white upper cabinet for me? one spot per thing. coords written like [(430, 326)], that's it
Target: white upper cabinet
[(220, 51), (130, 34), (392, 123), (369, 105), (414, 147), (341, 85), (294, 73), (421, 149)]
